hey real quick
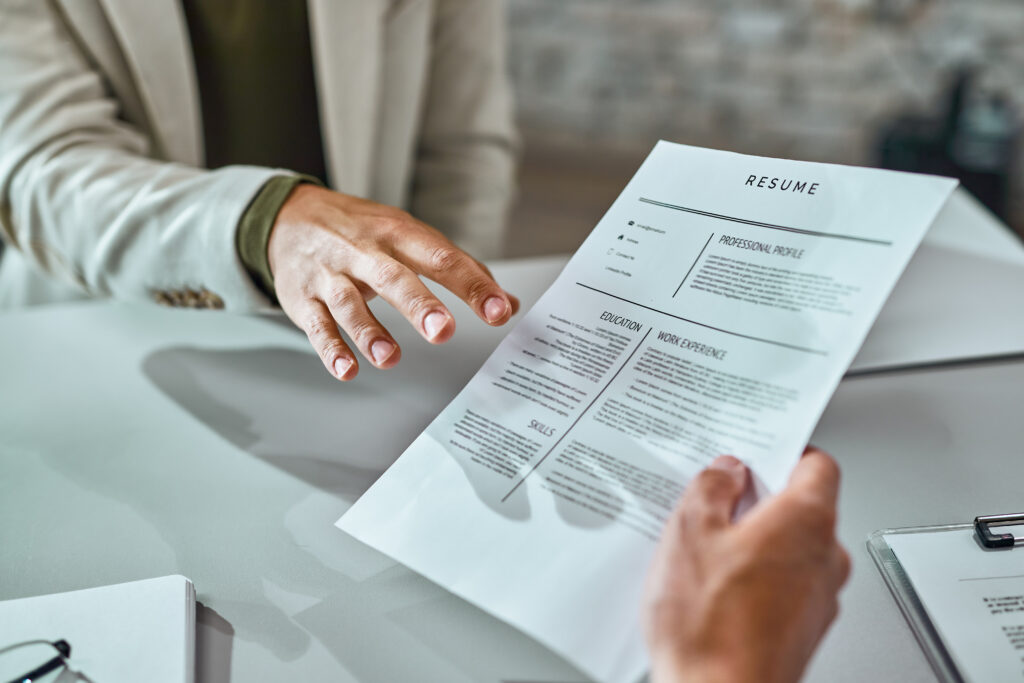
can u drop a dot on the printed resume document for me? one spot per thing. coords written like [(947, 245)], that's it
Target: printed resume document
[(712, 310)]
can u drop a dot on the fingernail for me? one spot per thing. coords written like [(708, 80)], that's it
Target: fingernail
[(495, 308), (381, 350), (727, 463), (434, 323), (341, 366), (736, 469)]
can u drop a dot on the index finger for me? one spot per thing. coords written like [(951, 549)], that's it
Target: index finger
[(433, 255), (816, 475)]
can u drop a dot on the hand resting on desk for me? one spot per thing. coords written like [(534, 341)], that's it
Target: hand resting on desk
[(329, 253), (750, 600)]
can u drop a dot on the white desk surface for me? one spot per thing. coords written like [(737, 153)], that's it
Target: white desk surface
[(966, 225), (138, 442)]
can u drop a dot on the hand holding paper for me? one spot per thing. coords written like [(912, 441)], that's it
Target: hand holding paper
[(748, 600)]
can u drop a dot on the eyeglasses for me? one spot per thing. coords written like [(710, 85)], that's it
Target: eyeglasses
[(38, 661)]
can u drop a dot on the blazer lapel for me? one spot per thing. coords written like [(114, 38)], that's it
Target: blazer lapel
[(154, 38), (347, 41)]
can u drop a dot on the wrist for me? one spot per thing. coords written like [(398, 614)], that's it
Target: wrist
[(671, 665), (252, 237)]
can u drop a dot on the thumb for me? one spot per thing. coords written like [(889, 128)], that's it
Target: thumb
[(816, 475), (711, 498)]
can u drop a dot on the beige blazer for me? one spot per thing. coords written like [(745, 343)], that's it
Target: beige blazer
[(102, 186)]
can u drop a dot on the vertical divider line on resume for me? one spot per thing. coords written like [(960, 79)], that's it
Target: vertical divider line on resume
[(693, 266), (580, 416)]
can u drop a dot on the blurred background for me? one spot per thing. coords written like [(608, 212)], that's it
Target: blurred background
[(928, 85)]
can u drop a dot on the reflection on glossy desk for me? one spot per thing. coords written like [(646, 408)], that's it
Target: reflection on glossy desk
[(138, 442)]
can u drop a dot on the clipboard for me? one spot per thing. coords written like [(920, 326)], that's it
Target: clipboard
[(906, 597)]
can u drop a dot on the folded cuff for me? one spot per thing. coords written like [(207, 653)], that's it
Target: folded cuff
[(253, 234)]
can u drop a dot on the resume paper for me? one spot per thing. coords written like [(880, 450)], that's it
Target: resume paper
[(712, 310)]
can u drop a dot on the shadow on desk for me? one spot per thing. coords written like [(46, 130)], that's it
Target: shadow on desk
[(214, 636), (307, 591), (281, 406)]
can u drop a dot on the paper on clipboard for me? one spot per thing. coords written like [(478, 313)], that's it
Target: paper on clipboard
[(965, 603)]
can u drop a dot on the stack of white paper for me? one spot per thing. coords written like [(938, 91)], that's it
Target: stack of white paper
[(129, 632)]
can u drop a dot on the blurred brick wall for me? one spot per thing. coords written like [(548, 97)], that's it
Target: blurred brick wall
[(807, 79)]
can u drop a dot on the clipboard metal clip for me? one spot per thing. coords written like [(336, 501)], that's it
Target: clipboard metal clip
[(982, 528)]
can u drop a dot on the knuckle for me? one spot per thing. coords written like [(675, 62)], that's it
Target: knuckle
[(478, 289), (392, 223), (447, 257), (340, 250), (343, 297), (420, 303), (319, 328), (388, 274), (333, 348), (362, 330)]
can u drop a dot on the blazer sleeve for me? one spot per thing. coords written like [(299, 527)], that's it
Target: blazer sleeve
[(81, 195), (464, 175)]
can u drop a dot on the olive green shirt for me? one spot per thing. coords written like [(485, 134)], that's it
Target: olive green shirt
[(254, 66)]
